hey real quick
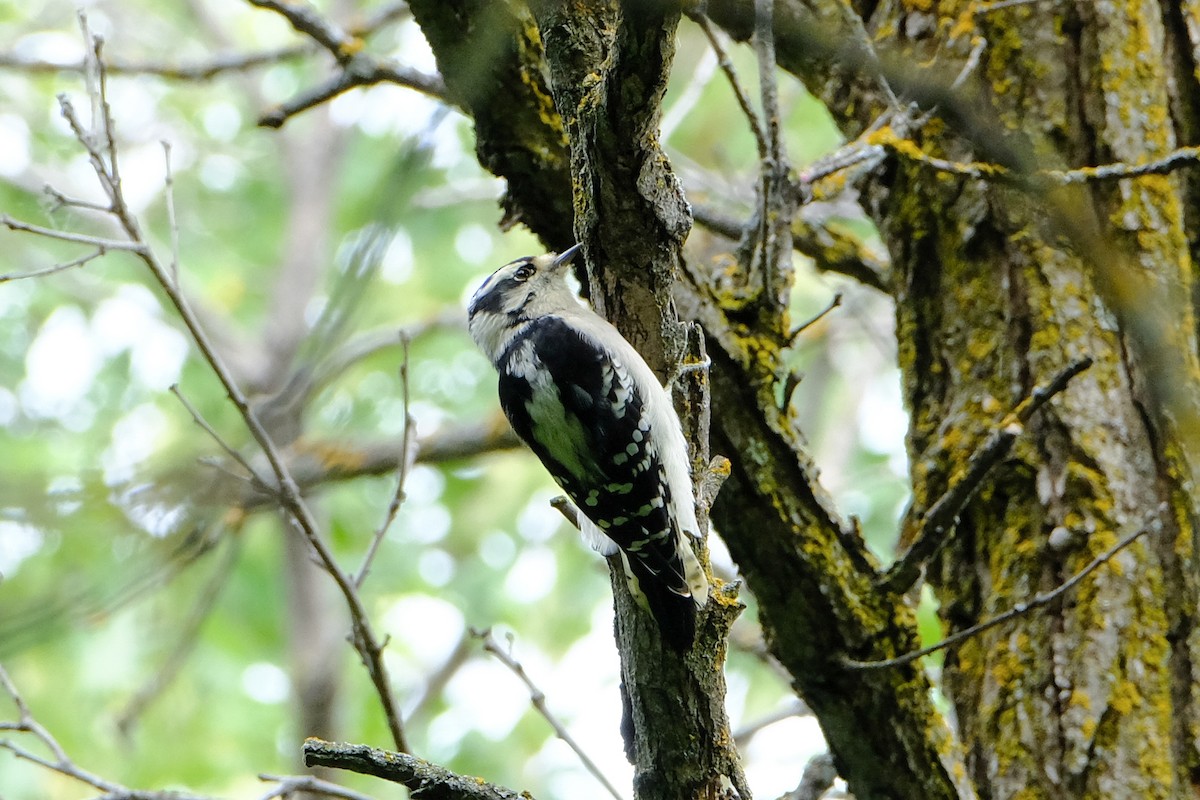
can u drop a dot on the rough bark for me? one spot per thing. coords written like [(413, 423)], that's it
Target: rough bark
[(490, 55), (997, 287), (610, 63)]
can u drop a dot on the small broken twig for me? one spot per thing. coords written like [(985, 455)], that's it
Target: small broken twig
[(538, 698), (1038, 601), (942, 516)]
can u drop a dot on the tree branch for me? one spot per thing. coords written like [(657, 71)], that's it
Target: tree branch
[(538, 698), (101, 148), (364, 70), (943, 514), (490, 56), (59, 761), (1038, 601), (423, 779), (289, 785), (199, 72)]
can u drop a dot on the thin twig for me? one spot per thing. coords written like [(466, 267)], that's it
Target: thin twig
[(1018, 610), (1187, 156), (538, 698), (62, 201), (100, 243), (305, 19), (257, 480), (293, 784), (363, 638), (200, 71), (820, 315), (972, 63), (408, 455), (943, 514), (739, 92), (39, 273), (997, 5), (61, 763), (252, 475), (849, 155)]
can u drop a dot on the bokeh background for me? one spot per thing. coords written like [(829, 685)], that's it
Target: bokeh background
[(152, 618)]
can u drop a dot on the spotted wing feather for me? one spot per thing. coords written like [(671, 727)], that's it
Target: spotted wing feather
[(581, 413)]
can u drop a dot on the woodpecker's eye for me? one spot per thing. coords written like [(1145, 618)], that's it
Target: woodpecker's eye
[(524, 272)]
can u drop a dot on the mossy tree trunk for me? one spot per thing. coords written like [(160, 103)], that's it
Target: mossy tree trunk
[(997, 287), (1001, 277), (1000, 283)]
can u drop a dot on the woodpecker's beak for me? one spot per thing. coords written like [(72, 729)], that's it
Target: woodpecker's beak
[(566, 256)]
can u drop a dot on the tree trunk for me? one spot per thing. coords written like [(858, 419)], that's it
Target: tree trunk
[(1003, 274), (997, 287)]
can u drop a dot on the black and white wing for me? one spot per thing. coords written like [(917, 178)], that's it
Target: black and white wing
[(579, 409)]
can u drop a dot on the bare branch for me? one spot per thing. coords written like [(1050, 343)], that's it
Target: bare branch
[(363, 71), (305, 19), (200, 71), (943, 514), (251, 474), (423, 779), (408, 453), (27, 724), (997, 5), (1187, 156), (105, 164), (101, 244), (292, 784), (39, 273), (820, 315), (1038, 601), (735, 83), (63, 201), (538, 698), (59, 761), (357, 68)]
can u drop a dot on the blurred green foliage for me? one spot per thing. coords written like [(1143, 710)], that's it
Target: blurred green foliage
[(110, 529)]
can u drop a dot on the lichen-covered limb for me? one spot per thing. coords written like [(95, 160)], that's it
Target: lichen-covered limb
[(939, 521), (887, 737), (425, 780), (490, 56), (997, 285), (610, 63)]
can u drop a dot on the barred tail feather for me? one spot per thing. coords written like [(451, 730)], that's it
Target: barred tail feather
[(673, 607)]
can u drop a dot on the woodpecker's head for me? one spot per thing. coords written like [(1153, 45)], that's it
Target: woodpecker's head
[(517, 293)]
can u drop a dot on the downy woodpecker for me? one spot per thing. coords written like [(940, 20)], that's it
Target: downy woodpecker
[(592, 410)]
